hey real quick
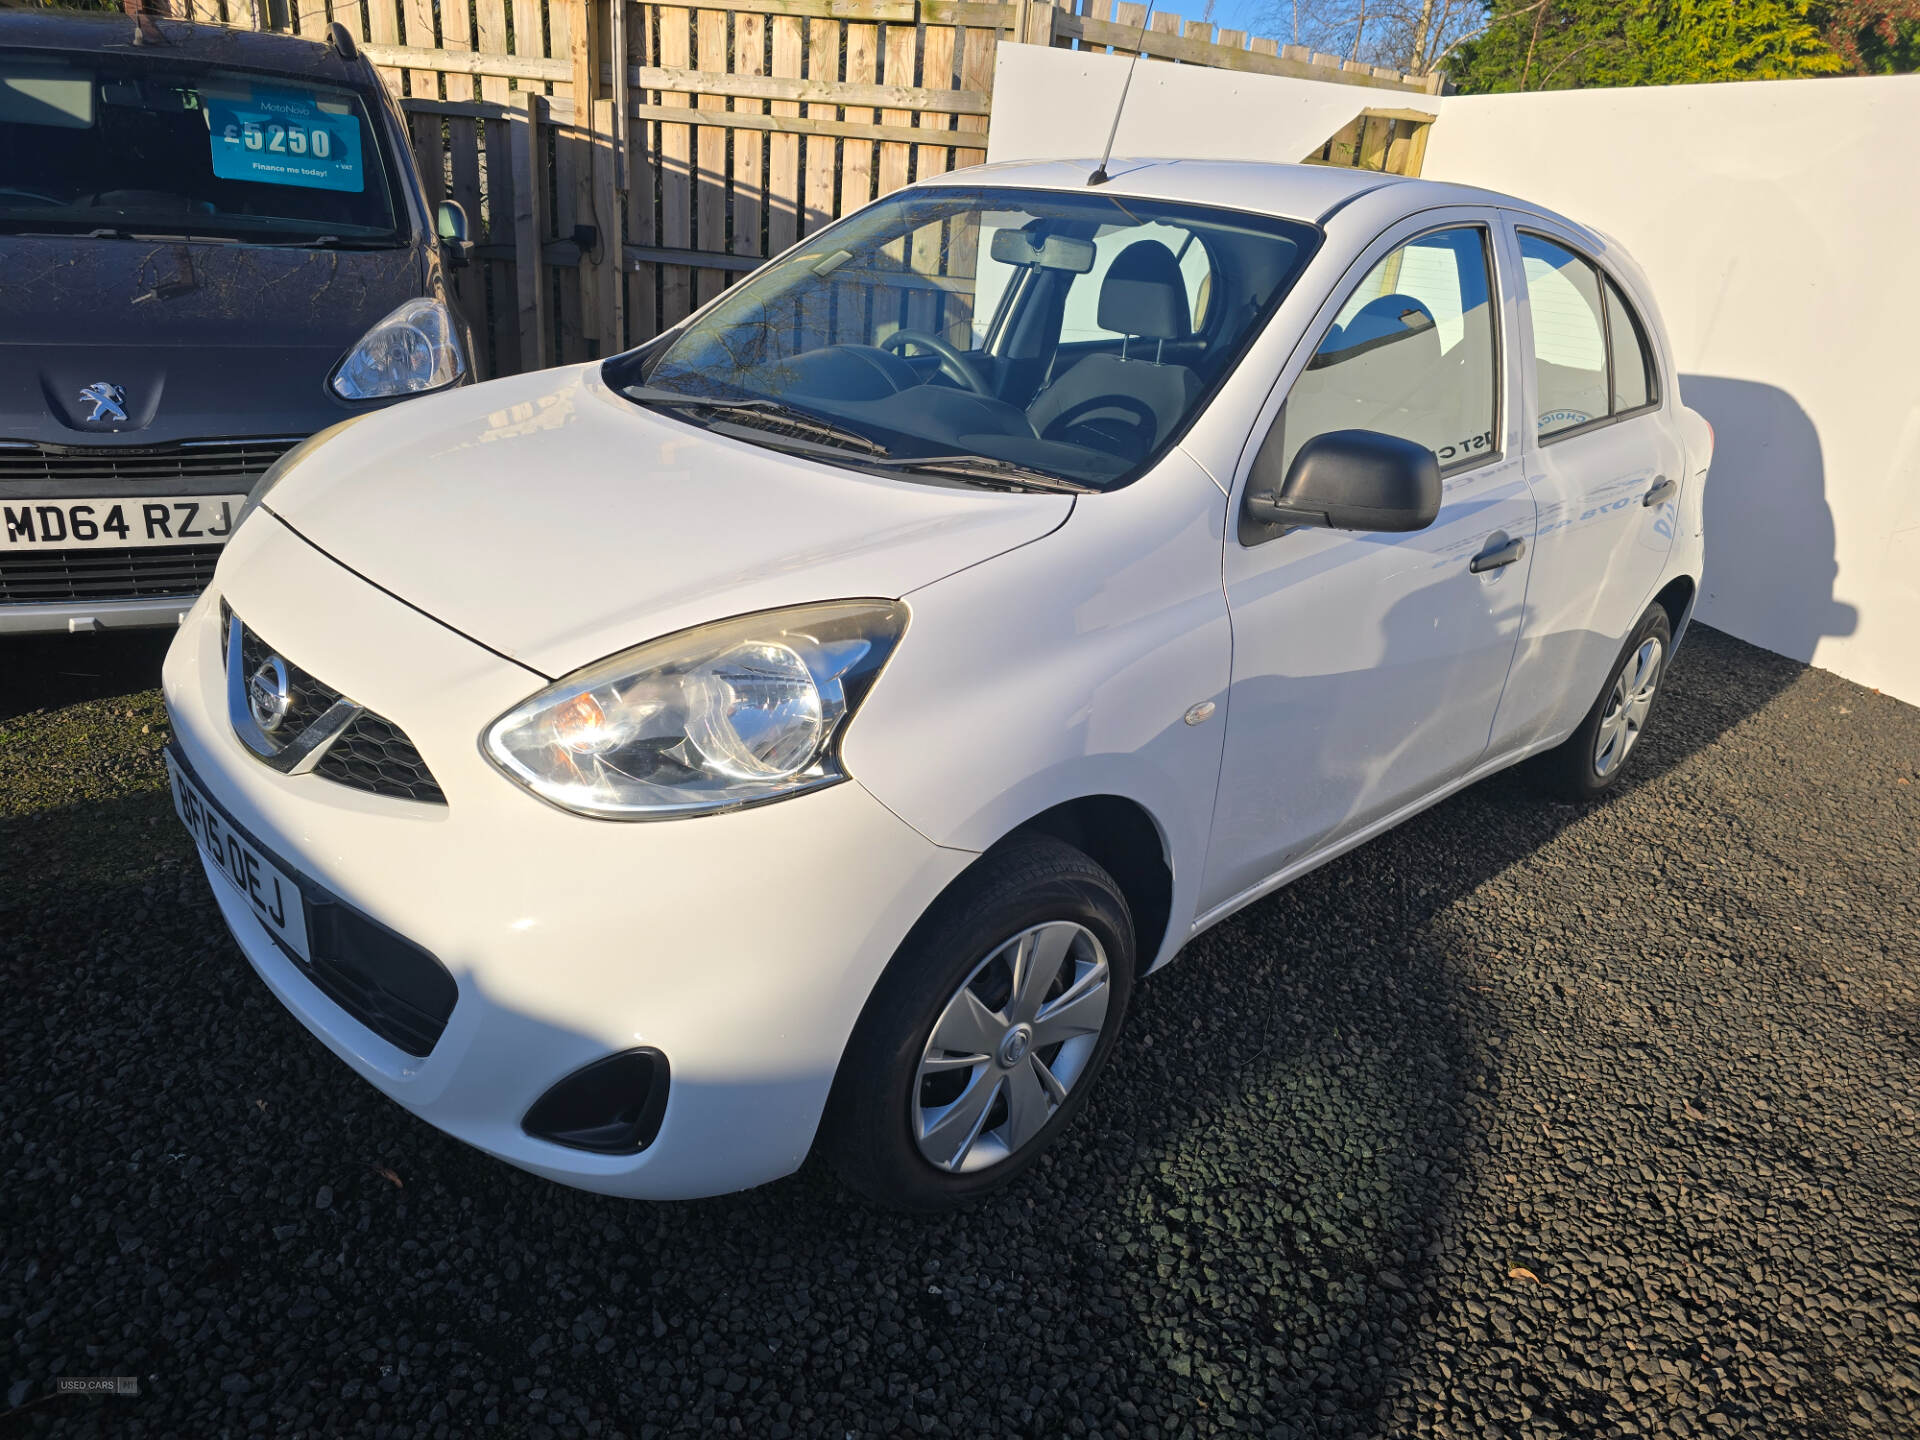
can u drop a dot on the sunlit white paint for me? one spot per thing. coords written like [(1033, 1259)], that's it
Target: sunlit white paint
[(1056, 649)]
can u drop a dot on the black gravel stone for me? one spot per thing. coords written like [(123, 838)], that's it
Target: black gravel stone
[(1525, 1120)]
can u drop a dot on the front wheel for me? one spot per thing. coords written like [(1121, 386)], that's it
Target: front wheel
[(984, 1035), (1590, 761)]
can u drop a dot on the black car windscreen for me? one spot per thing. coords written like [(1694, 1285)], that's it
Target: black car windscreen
[(91, 144)]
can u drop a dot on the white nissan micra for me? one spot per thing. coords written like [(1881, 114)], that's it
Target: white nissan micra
[(803, 730)]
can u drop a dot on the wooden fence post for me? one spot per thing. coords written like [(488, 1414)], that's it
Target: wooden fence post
[(609, 210), (1039, 23), (530, 227), (582, 140)]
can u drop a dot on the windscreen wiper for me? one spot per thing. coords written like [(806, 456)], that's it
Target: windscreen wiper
[(792, 416), (986, 470), (327, 242)]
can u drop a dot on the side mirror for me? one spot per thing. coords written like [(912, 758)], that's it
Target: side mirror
[(1347, 480), (452, 226)]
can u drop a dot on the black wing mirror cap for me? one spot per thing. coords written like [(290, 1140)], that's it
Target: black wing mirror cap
[(1350, 480), (451, 223)]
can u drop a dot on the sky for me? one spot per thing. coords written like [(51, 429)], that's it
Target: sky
[(1256, 17)]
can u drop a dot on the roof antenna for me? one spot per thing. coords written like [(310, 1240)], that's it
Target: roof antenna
[(1099, 176)]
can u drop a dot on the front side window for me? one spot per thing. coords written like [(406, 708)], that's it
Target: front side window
[(165, 148), (1412, 353), (1590, 355), (1062, 334)]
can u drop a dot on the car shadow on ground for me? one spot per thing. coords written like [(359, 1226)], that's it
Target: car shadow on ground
[(51, 672), (1234, 1235)]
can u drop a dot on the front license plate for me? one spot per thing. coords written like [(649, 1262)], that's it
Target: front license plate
[(118, 523), (263, 884)]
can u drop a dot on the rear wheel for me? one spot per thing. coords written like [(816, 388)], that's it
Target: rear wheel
[(985, 1033), (1590, 761)]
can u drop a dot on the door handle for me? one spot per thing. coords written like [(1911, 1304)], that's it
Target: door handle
[(1493, 559), (1662, 488)]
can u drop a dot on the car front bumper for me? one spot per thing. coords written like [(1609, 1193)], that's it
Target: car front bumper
[(742, 946)]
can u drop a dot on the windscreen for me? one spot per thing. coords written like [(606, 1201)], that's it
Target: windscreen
[(164, 149), (1072, 334)]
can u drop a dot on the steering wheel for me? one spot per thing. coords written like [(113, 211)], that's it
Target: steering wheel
[(953, 363)]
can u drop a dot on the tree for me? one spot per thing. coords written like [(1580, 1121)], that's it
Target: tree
[(1876, 37), (1411, 35), (1564, 44)]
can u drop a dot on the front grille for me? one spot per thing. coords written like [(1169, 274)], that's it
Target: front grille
[(375, 754), (372, 754), (311, 697), (240, 459), (132, 574)]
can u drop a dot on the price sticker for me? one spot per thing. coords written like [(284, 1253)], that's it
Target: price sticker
[(285, 137)]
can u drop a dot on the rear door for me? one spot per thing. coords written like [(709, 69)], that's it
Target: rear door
[(1606, 465)]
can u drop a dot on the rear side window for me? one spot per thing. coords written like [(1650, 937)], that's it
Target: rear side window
[(1590, 354), (1411, 353), (1632, 363)]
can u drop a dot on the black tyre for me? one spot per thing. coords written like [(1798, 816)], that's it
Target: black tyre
[(982, 1039), (1591, 760)]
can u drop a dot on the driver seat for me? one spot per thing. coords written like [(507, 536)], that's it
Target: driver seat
[(1126, 404)]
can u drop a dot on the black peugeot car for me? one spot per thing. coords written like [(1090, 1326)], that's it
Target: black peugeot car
[(213, 243)]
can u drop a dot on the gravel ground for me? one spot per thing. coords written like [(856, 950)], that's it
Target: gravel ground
[(1526, 1120)]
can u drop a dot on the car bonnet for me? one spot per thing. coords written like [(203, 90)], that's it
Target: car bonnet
[(557, 522)]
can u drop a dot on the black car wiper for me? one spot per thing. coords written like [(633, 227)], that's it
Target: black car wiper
[(328, 242), (102, 232), (777, 411), (121, 232), (987, 470)]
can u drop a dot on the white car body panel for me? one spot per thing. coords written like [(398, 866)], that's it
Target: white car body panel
[(1367, 667), (461, 512), (568, 938), (1065, 670), (1601, 554), (1057, 648)]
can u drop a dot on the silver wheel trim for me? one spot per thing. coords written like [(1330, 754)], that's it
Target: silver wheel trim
[(1013, 1061), (1627, 705)]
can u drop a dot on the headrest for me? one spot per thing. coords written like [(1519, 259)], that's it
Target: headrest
[(1145, 294)]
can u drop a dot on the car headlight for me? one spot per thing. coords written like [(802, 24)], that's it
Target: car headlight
[(713, 718), (276, 471), (414, 349)]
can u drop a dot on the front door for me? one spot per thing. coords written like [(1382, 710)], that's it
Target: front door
[(1367, 667)]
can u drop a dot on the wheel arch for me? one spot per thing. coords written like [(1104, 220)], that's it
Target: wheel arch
[(1676, 597), (1121, 836)]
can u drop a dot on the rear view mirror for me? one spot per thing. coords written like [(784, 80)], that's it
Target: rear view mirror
[(1048, 252), (1348, 480), (452, 226)]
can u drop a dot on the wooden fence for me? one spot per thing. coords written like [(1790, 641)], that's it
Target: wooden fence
[(622, 162)]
